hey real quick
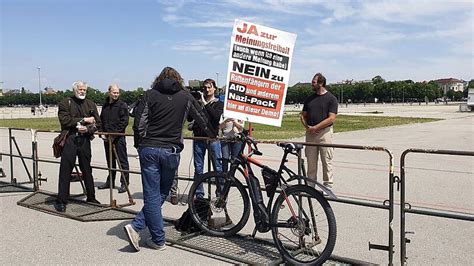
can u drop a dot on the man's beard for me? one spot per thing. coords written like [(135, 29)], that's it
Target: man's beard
[(317, 88), (80, 97)]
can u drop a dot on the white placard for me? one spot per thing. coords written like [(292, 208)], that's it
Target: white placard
[(258, 73)]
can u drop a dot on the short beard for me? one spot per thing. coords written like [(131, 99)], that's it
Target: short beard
[(80, 97)]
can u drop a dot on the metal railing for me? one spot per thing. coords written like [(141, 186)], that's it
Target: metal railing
[(407, 208), (388, 204)]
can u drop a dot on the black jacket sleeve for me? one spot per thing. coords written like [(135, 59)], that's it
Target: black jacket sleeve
[(123, 117), (98, 121), (67, 121), (197, 113), (138, 110), (215, 110)]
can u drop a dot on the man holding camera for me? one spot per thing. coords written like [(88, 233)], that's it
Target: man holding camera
[(80, 118), (213, 110)]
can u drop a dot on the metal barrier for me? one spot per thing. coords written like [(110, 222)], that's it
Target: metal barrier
[(18, 186), (406, 207), (35, 178), (386, 205)]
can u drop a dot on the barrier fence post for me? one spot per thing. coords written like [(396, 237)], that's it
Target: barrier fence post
[(111, 182), (390, 210), (10, 141), (403, 211), (34, 157)]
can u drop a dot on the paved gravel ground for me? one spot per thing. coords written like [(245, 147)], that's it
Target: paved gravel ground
[(433, 181)]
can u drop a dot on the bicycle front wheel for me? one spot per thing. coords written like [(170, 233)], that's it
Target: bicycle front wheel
[(224, 209), (306, 227)]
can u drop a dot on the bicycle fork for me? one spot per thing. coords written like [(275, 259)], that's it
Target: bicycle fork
[(297, 218)]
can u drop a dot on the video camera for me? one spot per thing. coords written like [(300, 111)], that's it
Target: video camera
[(195, 91)]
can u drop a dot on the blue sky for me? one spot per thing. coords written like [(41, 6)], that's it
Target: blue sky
[(129, 42)]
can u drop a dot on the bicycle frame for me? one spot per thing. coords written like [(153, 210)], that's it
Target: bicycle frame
[(261, 210)]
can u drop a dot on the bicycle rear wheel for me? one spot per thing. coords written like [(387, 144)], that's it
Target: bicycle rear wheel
[(227, 210), (306, 231)]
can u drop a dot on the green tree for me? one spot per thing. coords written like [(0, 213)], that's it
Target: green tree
[(377, 80)]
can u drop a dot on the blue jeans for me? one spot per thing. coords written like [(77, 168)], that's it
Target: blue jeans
[(158, 167), (199, 152), (229, 151)]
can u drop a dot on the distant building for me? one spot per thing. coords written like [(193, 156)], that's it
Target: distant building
[(49, 91), (12, 92), (449, 84), (1, 92), (302, 84), (352, 81)]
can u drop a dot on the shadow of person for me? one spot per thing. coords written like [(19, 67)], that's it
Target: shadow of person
[(137, 195)]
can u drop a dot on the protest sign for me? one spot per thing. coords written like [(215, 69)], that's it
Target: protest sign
[(258, 73)]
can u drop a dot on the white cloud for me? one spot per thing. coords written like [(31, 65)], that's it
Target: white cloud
[(201, 46), (342, 49), (412, 11)]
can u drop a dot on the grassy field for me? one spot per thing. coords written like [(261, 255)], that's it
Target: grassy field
[(291, 126)]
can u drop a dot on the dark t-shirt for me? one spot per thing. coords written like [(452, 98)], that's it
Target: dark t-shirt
[(318, 107)]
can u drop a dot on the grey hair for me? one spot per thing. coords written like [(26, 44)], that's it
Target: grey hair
[(114, 86), (78, 84)]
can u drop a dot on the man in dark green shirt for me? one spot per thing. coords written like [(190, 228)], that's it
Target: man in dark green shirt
[(80, 118)]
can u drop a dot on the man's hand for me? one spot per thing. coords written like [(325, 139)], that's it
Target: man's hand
[(202, 98), (313, 129), (82, 129), (89, 120)]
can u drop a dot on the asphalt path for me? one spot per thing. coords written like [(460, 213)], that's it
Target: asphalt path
[(433, 181)]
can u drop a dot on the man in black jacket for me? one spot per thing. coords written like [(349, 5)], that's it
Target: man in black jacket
[(158, 125), (80, 118), (213, 110), (114, 118)]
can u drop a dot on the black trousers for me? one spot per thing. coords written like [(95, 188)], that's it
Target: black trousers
[(121, 148), (79, 146)]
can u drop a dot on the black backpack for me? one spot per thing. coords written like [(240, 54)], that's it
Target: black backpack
[(186, 223)]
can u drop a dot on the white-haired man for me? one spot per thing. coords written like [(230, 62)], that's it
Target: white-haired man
[(80, 118)]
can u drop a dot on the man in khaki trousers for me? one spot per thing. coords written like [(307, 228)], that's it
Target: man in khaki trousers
[(318, 115)]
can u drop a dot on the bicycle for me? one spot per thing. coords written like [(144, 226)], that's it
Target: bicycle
[(302, 222)]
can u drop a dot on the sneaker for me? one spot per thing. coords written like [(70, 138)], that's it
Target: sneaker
[(174, 199), (153, 245), (133, 236), (328, 185)]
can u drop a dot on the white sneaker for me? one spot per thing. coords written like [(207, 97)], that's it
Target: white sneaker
[(153, 245), (133, 236), (328, 185)]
